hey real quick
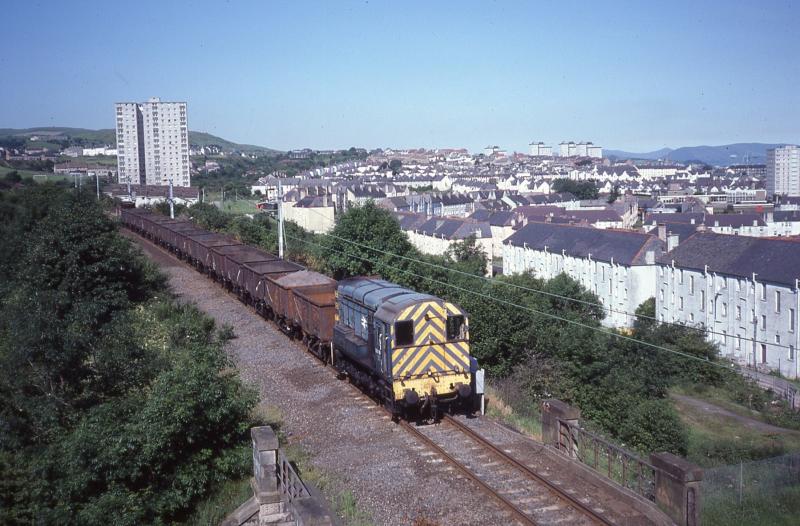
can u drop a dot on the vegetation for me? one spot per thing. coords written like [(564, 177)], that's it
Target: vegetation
[(580, 189), (533, 345), (118, 405)]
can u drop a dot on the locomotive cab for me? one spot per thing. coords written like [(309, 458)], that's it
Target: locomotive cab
[(412, 350)]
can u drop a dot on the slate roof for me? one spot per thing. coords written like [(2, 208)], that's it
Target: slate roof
[(786, 215), (627, 248), (409, 220), (451, 228), (593, 216), (773, 260), (682, 230), (734, 220), (697, 217)]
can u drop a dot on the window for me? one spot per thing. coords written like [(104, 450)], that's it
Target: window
[(661, 294), (680, 276), (724, 309), (691, 316), (739, 342), (691, 284), (778, 339), (792, 320), (404, 333), (791, 352), (738, 312), (777, 301), (764, 322), (763, 353), (763, 289), (455, 327), (680, 303), (702, 300)]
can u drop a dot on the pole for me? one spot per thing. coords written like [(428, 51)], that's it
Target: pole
[(280, 220), (171, 206), (204, 195), (97, 182)]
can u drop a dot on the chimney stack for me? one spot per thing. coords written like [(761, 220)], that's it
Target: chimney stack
[(672, 241), (662, 233)]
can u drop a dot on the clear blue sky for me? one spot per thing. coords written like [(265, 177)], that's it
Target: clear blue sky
[(626, 75)]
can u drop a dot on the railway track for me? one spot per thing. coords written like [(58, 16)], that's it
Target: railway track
[(529, 497)]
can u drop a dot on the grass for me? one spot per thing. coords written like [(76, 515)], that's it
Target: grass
[(213, 510), (341, 500), (716, 439), (778, 507), (529, 424)]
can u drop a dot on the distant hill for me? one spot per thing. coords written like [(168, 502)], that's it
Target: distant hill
[(107, 136), (724, 155), (619, 154)]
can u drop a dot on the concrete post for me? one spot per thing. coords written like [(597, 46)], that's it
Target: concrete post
[(265, 481), (677, 488), (554, 414)]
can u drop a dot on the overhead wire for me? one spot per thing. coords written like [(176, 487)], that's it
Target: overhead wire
[(526, 308), (559, 296)]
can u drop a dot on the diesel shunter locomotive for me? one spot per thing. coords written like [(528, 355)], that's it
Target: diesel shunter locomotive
[(408, 350)]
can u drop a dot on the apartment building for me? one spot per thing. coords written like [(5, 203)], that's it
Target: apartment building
[(783, 171), (743, 290), (153, 143), (539, 149), (617, 266)]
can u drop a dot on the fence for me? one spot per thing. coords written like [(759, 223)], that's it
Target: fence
[(749, 484), (289, 482), (780, 386), (619, 465)]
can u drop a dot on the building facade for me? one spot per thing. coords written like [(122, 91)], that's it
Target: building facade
[(619, 267), (783, 171), (153, 143), (539, 149), (742, 290)]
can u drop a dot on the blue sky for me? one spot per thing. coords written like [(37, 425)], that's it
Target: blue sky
[(626, 75)]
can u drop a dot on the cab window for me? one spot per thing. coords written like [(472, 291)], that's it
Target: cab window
[(404, 333), (455, 327)]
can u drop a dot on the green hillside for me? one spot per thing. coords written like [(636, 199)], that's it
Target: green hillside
[(86, 137)]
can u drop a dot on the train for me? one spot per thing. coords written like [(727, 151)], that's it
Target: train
[(408, 351)]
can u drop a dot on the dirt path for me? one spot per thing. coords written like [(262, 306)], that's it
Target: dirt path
[(712, 409)]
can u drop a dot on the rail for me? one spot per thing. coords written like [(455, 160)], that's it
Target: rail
[(289, 482), (508, 459), (614, 462)]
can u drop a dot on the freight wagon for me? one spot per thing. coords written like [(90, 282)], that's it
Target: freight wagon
[(408, 350)]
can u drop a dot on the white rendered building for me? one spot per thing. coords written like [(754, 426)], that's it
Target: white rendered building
[(743, 290), (619, 267)]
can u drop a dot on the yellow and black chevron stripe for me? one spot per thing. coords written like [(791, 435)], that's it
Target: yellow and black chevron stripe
[(431, 353)]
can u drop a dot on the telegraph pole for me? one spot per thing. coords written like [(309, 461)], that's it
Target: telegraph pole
[(171, 207), (280, 220), (97, 182)]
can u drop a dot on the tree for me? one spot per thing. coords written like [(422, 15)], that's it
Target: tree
[(468, 255), (614, 195), (395, 165), (116, 405), (580, 189), (372, 232), (13, 177)]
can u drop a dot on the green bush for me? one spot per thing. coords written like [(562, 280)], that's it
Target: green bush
[(117, 405)]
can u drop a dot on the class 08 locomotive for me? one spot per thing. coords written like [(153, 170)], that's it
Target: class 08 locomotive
[(410, 351)]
